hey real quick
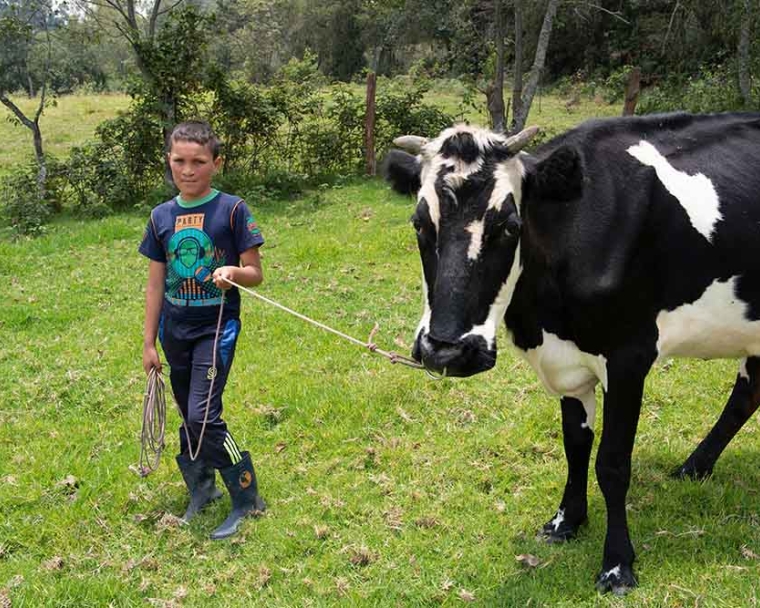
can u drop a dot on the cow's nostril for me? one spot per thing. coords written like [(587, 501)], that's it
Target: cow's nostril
[(439, 343), (438, 354)]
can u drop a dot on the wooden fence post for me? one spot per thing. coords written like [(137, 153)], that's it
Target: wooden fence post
[(369, 126), (632, 92)]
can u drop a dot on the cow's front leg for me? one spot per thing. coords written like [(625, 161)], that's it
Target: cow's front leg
[(578, 437), (622, 404)]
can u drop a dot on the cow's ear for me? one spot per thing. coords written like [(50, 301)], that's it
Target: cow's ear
[(402, 171), (559, 177)]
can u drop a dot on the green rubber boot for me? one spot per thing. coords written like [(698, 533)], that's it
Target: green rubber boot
[(200, 480), (240, 480)]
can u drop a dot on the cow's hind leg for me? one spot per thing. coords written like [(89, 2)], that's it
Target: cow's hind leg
[(743, 402), (578, 437)]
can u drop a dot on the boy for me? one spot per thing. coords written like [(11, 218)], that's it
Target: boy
[(195, 242)]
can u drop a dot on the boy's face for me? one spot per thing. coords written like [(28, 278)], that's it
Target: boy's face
[(193, 165)]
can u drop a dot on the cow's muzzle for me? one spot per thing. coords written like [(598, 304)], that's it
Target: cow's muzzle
[(464, 357)]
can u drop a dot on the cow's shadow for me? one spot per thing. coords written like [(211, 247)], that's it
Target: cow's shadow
[(678, 527)]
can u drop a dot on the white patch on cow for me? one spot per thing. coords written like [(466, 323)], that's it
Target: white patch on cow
[(487, 330), (558, 519), (428, 175), (715, 326), (424, 324), (743, 369), (508, 179), (476, 239), (589, 404), (483, 138), (460, 171), (610, 573), (695, 193), (457, 170), (566, 370)]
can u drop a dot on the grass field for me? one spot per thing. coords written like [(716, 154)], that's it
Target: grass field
[(71, 121), (384, 488)]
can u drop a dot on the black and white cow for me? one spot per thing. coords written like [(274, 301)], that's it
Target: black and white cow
[(619, 243)]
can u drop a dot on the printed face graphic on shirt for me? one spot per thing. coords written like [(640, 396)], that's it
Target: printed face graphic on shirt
[(191, 250), (192, 260)]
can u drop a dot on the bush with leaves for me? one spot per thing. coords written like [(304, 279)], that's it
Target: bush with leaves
[(711, 90), (24, 209), (119, 169), (246, 120)]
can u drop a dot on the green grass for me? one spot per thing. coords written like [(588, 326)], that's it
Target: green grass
[(384, 488), (71, 121)]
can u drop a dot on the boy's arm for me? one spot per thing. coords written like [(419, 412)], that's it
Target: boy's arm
[(154, 297), (248, 274)]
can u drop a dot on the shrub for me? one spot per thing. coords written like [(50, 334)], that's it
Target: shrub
[(711, 90), (23, 209)]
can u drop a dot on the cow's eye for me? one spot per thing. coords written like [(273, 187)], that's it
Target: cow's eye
[(513, 225), (418, 228)]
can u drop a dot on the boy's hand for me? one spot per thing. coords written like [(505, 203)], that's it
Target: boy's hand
[(150, 359), (221, 275)]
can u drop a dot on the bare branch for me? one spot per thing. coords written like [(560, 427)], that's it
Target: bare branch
[(48, 61), (170, 8), (616, 14), (108, 4), (16, 110), (154, 12), (670, 26)]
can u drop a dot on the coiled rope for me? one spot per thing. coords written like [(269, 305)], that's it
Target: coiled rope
[(153, 423), (154, 413)]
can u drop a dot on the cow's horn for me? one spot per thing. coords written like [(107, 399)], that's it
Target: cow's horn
[(411, 143), (518, 142)]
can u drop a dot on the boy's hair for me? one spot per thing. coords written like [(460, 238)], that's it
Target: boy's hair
[(197, 131)]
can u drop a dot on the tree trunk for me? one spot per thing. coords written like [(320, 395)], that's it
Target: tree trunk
[(742, 52), (496, 93), (42, 167), (519, 119), (34, 126), (517, 88), (369, 126), (632, 92)]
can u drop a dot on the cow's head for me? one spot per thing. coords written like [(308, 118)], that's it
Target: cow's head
[(468, 183)]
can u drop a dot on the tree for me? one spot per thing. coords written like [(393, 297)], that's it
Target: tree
[(496, 90), (141, 30), (520, 115), (743, 52), (381, 24), (22, 27)]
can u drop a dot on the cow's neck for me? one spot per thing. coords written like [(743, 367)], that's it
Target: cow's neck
[(535, 301)]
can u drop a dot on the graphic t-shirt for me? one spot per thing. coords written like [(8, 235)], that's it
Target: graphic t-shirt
[(194, 239)]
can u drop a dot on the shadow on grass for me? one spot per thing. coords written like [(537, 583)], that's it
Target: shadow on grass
[(685, 532)]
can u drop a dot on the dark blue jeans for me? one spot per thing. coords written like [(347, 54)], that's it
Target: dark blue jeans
[(190, 360)]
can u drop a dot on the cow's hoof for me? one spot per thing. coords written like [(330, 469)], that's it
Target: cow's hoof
[(689, 470), (620, 580), (559, 530)]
